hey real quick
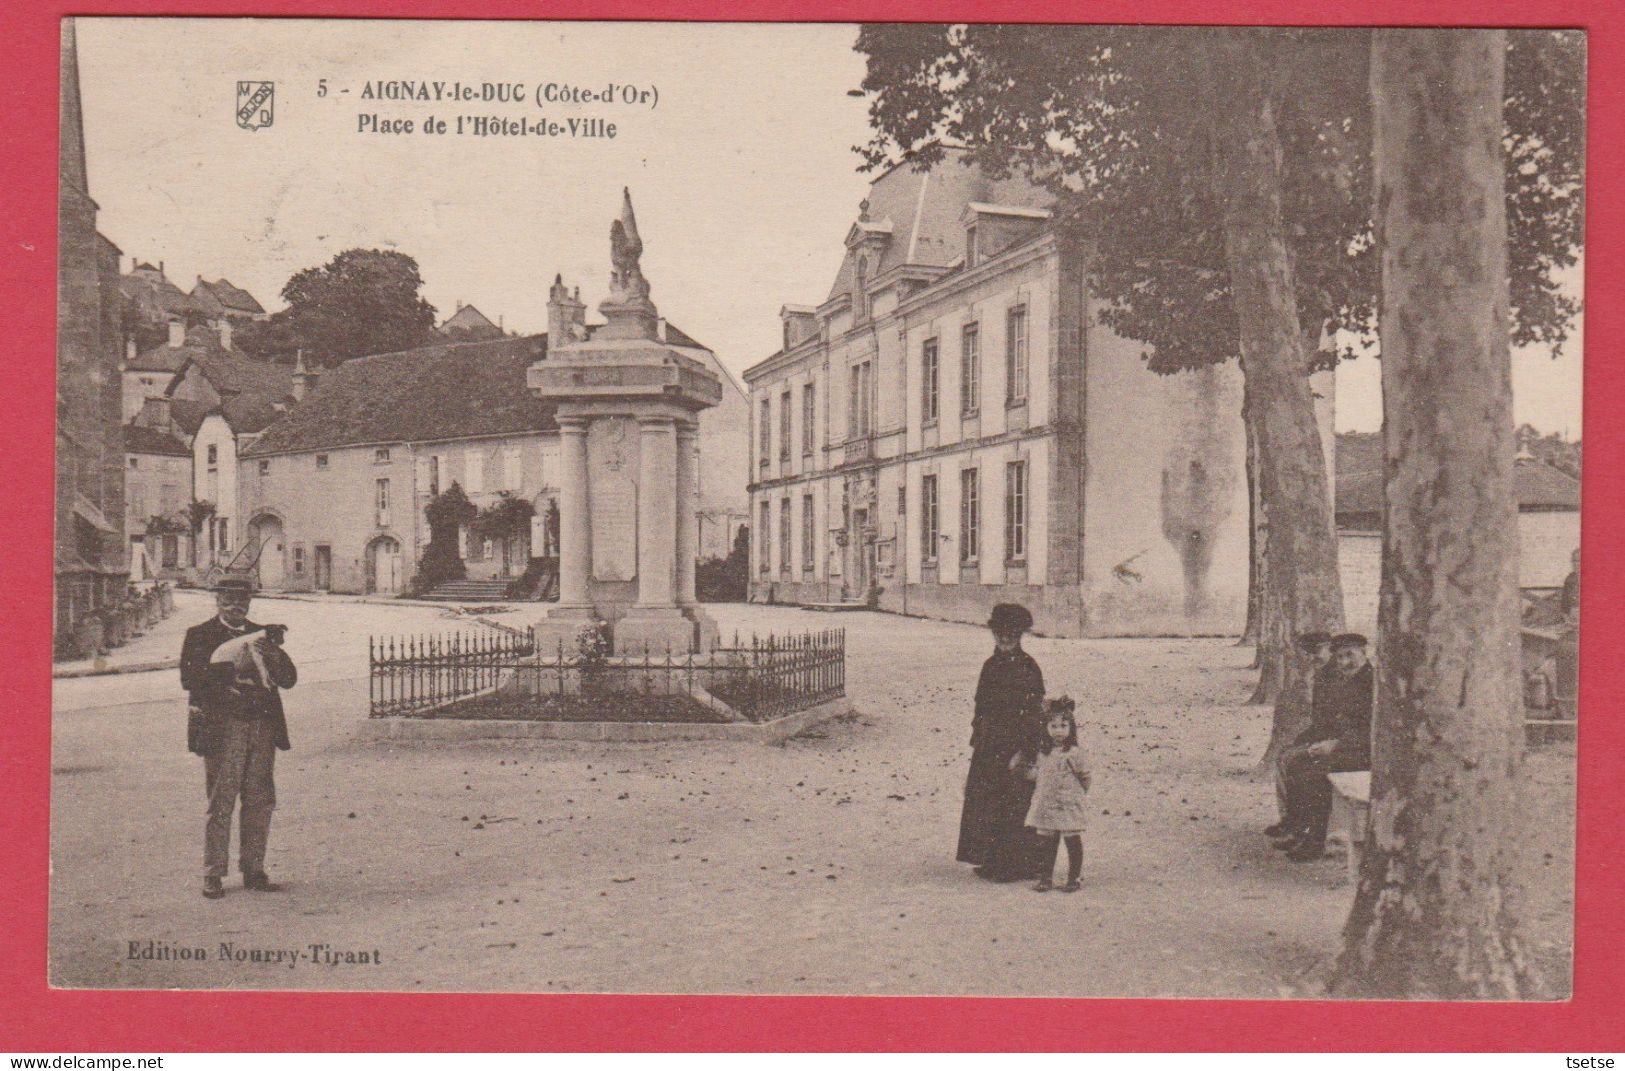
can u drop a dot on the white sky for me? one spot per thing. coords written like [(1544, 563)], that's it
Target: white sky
[(743, 176)]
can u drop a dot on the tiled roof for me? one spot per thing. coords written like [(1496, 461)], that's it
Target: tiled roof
[(229, 372), (140, 439), (230, 296), (1359, 479), (468, 318), (147, 288), (447, 391), (925, 210), (1540, 486), (680, 338), (161, 358), (187, 414), (200, 342)]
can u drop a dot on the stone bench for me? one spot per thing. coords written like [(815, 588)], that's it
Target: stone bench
[(1351, 807)]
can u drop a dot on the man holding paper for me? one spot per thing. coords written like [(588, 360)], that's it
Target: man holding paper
[(231, 669)]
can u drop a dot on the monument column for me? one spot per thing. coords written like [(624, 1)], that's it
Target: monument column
[(688, 433), (575, 525), (657, 511)]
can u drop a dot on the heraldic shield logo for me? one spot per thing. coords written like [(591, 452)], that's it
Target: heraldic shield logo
[(256, 102)]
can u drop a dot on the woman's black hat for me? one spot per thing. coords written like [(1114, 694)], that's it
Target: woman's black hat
[(1010, 617)]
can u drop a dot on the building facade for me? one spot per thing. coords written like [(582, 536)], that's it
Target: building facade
[(332, 495), (92, 557), (157, 492), (954, 427)]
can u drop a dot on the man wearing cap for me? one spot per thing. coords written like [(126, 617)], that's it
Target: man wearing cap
[(235, 722), (993, 834), (1342, 743), (1318, 647)]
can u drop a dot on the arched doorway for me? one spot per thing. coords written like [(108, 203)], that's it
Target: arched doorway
[(384, 565), (265, 532)]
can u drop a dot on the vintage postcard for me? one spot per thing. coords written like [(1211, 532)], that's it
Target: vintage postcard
[(817, 509)]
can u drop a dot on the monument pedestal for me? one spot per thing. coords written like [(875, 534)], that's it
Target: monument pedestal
[(662, 630), (627, 407)]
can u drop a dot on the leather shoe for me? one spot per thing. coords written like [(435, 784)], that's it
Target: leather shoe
[(260, 883), (213, 889)]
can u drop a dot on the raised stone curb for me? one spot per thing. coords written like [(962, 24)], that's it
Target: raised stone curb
[(110, 669), (453, 729)]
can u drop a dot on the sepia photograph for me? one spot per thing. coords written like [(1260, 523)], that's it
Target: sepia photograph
[(915, 509)]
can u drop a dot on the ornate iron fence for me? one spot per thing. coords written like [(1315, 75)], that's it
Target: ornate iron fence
[(503, 675), (414, 674), (770, 678)]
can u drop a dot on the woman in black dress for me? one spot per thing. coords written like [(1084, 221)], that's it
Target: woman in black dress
[(1004, 736)]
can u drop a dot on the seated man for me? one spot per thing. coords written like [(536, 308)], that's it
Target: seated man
[(1318, 647), (1343, 744)]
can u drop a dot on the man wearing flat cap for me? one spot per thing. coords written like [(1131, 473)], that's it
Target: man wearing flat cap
[(1341, 742), (993, 834), (231, 669)]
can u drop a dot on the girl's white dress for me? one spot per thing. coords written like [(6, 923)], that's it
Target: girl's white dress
[(1060, 802)]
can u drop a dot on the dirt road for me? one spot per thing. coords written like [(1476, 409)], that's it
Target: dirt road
[(821, 866)]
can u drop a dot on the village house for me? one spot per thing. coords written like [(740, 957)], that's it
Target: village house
[(1548, 523), (91, 555), (221, 302), (334, 492), (157, 492), (216, 400), (469, 324), (953, 427)]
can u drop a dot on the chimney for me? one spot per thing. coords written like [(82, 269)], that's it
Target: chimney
[(558, 314), (225, 332), (304, 380), (155, 414), (160, 267), (177, 334)]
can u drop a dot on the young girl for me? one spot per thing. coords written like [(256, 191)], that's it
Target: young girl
[(1061, 794)]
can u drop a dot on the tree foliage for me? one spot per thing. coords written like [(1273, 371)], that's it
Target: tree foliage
[(1119, 123), (442, 559), (361, 302)]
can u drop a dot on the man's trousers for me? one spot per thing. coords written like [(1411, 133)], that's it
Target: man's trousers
[(1307, 791), (239, 766)]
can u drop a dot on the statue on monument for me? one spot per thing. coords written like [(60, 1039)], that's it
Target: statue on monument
[(627, 406), (626, 282)]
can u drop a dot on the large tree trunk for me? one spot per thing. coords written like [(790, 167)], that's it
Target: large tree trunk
[(1255, 538), (1437, 910), (1302, 591)]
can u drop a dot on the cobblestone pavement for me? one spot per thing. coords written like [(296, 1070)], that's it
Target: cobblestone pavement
[(824, 865)]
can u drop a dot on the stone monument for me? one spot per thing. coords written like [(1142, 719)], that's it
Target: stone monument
[(628, 413)]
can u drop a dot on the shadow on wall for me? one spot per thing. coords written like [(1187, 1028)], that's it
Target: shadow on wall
[(1200, 473)]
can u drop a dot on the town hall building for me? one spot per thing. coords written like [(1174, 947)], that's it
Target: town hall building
[(954, 427)]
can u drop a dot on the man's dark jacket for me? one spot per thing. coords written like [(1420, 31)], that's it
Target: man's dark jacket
[(1322, 720), (1348, 704), (212, 689)]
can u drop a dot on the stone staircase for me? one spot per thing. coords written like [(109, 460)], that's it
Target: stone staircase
[(471, 591)]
